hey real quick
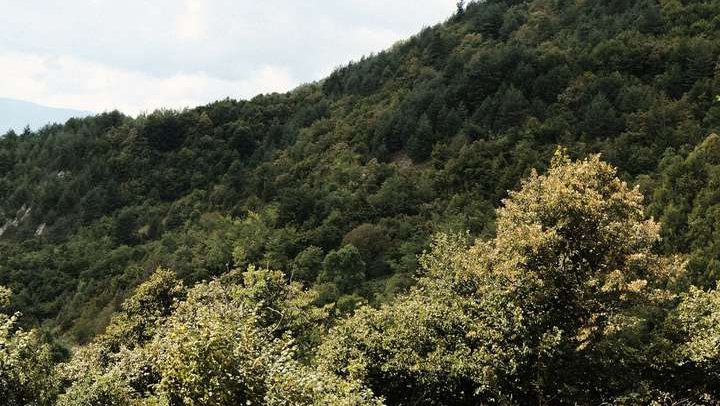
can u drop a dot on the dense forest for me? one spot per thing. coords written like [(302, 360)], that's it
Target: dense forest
[(520, 205)]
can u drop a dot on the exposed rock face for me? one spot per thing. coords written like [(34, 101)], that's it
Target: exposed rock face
[(20, 216)]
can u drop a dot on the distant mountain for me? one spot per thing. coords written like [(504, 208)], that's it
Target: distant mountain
[(16, 114)]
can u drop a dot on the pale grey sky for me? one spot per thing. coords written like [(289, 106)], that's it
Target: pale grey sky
[(137, 55)]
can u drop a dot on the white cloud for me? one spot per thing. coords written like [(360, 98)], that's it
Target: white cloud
[(73, 83), (139, 54), (191, 23)]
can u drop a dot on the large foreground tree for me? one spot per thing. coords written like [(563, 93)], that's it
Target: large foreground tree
[(564, 306)]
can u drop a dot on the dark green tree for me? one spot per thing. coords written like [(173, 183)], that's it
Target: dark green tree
[(344, 267)]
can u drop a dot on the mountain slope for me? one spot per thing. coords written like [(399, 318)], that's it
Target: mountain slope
[(339, 244), (17, 114), (341, 183)]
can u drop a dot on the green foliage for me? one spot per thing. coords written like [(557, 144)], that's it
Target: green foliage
[(421, 141), (568, 287), (697, 316), (693, 333), (344, 267), (425, 137), (226, 343), (687, 203), (371, 241), (568, 295), (567, 303), (26, 362), (307, 263)]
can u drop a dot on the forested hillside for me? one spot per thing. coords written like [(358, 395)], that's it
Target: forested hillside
[(280, 239)]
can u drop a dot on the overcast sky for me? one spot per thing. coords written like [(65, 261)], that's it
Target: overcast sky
[(138, 55)]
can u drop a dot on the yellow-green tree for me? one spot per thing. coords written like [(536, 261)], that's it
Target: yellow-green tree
[(227, 342), (557, 308), (26, 364)]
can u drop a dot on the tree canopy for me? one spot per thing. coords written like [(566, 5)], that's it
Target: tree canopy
[(340, 243)]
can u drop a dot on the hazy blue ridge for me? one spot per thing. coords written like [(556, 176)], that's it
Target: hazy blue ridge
[(16, 114)]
